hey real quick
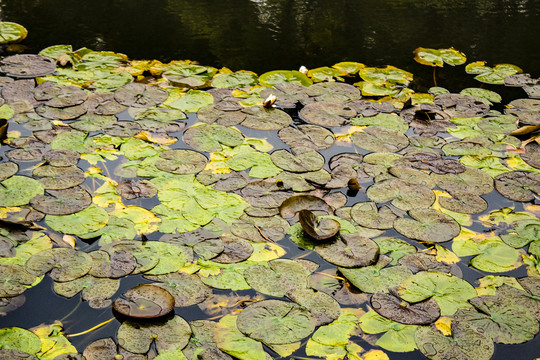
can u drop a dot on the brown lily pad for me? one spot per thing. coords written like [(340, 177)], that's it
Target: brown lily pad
[(393, 308), (145, 301)]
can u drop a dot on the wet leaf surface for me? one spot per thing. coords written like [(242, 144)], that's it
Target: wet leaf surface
[(391, 307), (145, 301)]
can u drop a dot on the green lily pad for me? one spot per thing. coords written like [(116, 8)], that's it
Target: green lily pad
[(19, 339), (527, 298), (428, 225), (19, 190), (15, 280), (491, 75), (11, 32), (391, 121), (192, 101), (261, 118), (140, 95), (235, 80), (319, 229), (181, 161), (144, 254), (85, 221), (65, 264), (310, 136), (434, 57), (505, 325), (493, 254), (367, 214), (377, 277), (97, 291), (328, 114), (27, 65), (394, 248), (272, 78), (211, 137), (231, 341), (168, 334), (275, 322), (449, 291), (420, 261), (8, 169), (518, 185), (186, 289), (278, 278), (145, 301), (466, 342), (404, 195), (522, 233), (391, 307), (62, 202), (397, 337), (114, 265), (171, 258)]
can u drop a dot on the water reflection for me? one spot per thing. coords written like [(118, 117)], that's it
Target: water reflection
[(261, 35)]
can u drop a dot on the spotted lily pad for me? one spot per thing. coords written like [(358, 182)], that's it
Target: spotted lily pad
[(186, 289), (278, 278), (349, 250), (181, 161), (210, 137), (59, 177), (15, 280), (62, 202), (428, 225), (140, 95), (168, 334), (311, 136), (275, 322), (518, 185), (59, 96), (27, 65), (449, 291), (97, 291), (380, 139), (261, 118), (333, 92), (367, 214), (294, 204), (299, 160), (466, 342), (133, 189), (19, 190), (404, 195), (328, 114), (145, 301), (525, 110), (231, 341), (115, 265), (473, 181), (65, 264), (19, 339), (85, 221), (389, 306)]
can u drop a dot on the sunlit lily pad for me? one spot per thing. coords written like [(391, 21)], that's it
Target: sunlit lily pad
[(11, 32), (278, 278), (27, 65), (518, 185), (428, 225), (181, 161), (275, 322), (271, 78), (235, 80), (349, 250), (19, 190), (230, 340), (327, 114), (168, 334), (140, 95), (466, 342), (16, 338), (491, 75), (389, 306), (449, 291), (186, 289), (62, 202), (377, 277), (144, 254), (88, 220), (394, 248), (434, 57), (65, 264), (145, 301)]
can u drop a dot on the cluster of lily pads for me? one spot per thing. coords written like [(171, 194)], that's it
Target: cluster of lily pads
[(115, 167)]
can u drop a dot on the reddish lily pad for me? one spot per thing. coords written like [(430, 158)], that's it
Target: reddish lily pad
[(133, 189)]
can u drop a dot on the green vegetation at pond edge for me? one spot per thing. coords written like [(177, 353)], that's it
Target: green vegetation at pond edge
[(335, 222)]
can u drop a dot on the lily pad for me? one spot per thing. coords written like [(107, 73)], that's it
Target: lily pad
[(27, 65), (59, 96), (235, 250), (61, 158), (115, 265), (16, 338), (278, 278), (211, 137), (327, 114), (404, 195), (15, 280), (140, 95), (231, 341), (261, 118), (491, 75), (145, 301), (518, 185), (462, 202), (97, 291), (319, 229), (298, 160), (473, 181), (11, 32), (428, 225), (391, 307), (181, 161), (466, 342), (434, 57), (186, 289), (525, 110), (294, 204), (367, 214), (88, 220), (62, 202), (333, 92), (275, 322), (349, 250), (133, 189), (310, 136), (168, 334), (271, 78), (59, 177), (449, 291), (19, 190), (65, 264), (380, 139), (322, 306)]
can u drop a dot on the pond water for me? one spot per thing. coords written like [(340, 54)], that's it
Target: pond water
[(266, 35)]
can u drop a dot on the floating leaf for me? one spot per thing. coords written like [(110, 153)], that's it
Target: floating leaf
[(140, 95), (231, 341), (11, 32), (404, 195), (19, 190), (65, 264), (62, 202), (85, 221), (27, 65), (186, 289), (435, 57), (278, 278), (326, 113), (272, 78), (209, 138), (491, 75), (311, 136), (397, 337), (145, 301), (518, 185), (275, 322), (389, 306)]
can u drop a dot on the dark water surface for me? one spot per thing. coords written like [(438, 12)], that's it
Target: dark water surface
[(268, 35)]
